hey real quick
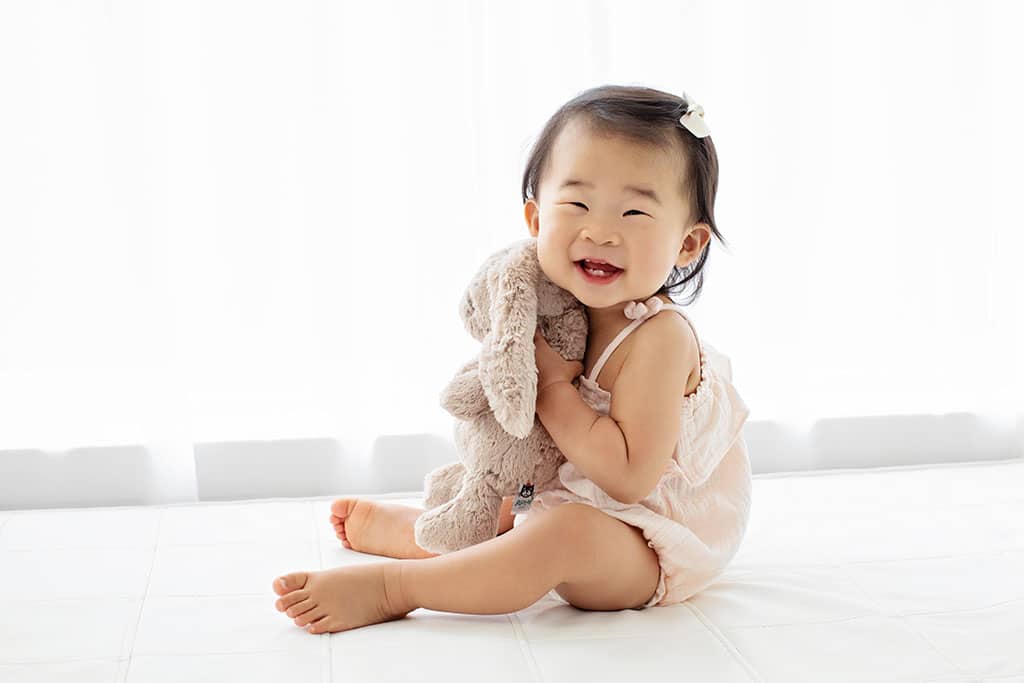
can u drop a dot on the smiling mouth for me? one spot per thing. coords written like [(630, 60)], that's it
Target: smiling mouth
[(598, 269), (598, 277)]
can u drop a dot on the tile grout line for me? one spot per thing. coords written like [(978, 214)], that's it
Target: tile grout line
[(145, 593), (878, 608), (929, 643), (320, 562), (73, 659), (61, 660), (130, 597), (4, 523), (997, 677), (13, 514), (879, 613), (729, 646), (739, 566), (884, 469), (186, 504), (219, 544), (957, 611), (524, 647)]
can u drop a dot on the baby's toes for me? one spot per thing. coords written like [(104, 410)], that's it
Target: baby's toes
[(339, 530), (342, 507), (301, 607), (319, 626), (286, 601), (290, 582), (310, 616)]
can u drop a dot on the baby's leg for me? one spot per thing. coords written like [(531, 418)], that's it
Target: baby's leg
[(591, 559), (382, 528), (594, 561)]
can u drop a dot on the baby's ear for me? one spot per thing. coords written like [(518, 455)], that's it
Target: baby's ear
[(508, 366), (532, 214)]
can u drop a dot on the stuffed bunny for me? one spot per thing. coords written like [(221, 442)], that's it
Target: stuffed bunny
[(505, 450)]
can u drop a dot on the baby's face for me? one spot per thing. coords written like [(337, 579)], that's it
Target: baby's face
[(642, 235)]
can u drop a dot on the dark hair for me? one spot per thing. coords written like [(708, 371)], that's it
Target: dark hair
[(649, 117)]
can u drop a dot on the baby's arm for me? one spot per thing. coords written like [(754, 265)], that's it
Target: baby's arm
[(647, 399), (589, 440)]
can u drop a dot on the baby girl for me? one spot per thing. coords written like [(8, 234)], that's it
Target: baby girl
[(654, 496)]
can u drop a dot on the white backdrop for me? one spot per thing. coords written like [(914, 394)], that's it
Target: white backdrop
[(250, 220)]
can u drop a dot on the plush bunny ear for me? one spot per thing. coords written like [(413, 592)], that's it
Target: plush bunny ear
[(474, 309), (508, 366)]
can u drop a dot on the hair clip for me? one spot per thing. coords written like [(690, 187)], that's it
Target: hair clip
[(693, 119)]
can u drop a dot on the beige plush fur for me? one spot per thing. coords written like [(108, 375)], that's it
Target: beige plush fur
[(501, 442)]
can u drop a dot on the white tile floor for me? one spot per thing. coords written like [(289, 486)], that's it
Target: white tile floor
[(883, 575)]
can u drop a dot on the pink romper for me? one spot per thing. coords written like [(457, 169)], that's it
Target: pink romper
[(697, 514)]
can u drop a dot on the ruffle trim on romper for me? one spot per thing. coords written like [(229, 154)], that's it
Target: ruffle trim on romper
[(712, 419), (595, 395)]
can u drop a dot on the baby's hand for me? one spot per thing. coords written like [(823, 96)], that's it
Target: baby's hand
[(551, 367)]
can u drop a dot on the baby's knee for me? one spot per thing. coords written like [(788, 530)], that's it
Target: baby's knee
[(570, 523)]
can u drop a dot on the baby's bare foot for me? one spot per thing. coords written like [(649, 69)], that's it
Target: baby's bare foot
[(342, 598), (377, 528)]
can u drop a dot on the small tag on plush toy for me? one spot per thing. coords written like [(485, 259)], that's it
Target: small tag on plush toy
[(523, 500)]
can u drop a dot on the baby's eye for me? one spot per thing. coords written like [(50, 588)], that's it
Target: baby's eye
[(584, 206)]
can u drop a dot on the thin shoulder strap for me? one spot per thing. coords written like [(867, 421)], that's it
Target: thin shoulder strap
[(625, 332), (612, 346)]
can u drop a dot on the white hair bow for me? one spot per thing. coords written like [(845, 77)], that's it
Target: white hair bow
[(693, 119)]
